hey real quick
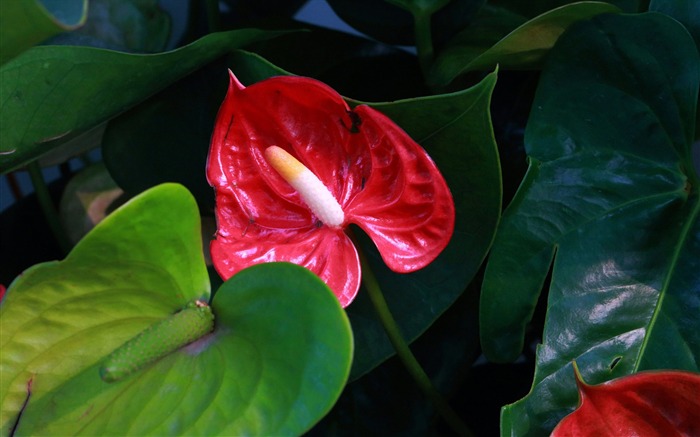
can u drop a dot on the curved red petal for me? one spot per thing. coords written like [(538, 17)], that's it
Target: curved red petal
[(406, 206), (301, 115), (654, 403), (329, 253)]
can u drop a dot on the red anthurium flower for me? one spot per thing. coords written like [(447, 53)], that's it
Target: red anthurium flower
[(293, 165)]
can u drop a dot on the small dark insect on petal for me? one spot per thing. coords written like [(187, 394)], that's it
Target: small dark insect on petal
[(355, 122)]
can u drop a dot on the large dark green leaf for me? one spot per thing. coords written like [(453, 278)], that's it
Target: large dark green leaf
[(275, 363), (685, 11), (485, 44), (456, 131), (612, 192), (50, 94), (26, 23)]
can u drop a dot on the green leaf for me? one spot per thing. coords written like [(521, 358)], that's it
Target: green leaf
[(26, 23), (685, 11), (140, 264), (532, 9), (456, 131), (276, 362), (612, 196), (392, 24), (525, 47), (53, 93)]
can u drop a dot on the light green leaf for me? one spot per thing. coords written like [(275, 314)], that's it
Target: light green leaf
[(276, 362), (140, 264)]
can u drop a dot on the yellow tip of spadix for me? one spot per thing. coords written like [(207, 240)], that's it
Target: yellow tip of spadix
[(286, 165), (317, 197)]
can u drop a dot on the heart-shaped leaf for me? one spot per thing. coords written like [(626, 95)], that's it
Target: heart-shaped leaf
[(276, 362), (611, 189), (53, 93), (26, 23), (650, 404), (523, 48), (60, 317)]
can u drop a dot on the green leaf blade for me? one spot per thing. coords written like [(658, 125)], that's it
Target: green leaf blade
[(455, 129), (27, 23), (116, 281), (612, 189), (275, 364), (51, 94)]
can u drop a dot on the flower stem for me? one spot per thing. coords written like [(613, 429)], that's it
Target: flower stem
[(424, 41), (47, 207), (404, 352), (213, 15)]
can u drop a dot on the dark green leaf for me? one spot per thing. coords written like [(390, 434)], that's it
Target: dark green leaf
[(522, 48), (26, 23), (685, 11), (611, 190), (394, 25), (532, 9), (53, 93), (456, 131)]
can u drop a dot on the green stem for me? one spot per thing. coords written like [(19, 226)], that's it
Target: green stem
[(404, 352), (424, 41), (213, 15), (47, 207)]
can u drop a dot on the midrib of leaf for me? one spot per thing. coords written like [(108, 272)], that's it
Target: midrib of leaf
[(671, 270)]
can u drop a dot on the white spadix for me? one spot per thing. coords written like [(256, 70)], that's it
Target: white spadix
[(316, 196)]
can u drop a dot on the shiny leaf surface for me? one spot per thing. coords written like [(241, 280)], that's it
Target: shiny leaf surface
[(650, 404), (53, 93), (525, 47), (611, 196), (250, 376), (60, 317)]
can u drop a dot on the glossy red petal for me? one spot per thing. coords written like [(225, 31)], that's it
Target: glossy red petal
[(650, 404), (327, 252), (406, 206), (303, 116)]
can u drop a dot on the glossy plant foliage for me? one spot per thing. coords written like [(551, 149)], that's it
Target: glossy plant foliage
[(36, 85), (611, 197), (275, 363), (382, 180), (607, 209), (652, 404)]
